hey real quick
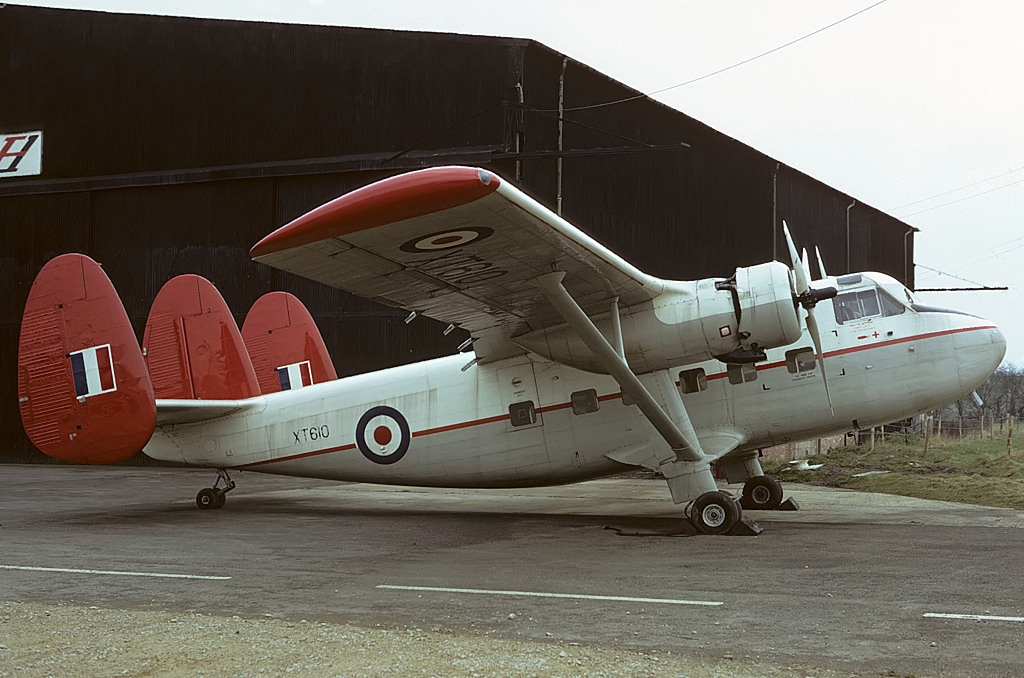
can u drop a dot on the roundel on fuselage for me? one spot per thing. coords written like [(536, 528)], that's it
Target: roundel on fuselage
[(383, 435)]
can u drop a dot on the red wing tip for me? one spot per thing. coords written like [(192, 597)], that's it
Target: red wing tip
[(397, 198)]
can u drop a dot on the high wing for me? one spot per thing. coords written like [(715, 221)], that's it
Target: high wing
[(457, 244)]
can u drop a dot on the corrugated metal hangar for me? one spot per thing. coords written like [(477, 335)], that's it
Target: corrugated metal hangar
[(171, 145)]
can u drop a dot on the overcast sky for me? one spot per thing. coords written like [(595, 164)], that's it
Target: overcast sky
[(915, 107)]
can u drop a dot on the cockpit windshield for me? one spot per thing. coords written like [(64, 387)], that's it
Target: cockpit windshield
[(876, 301)]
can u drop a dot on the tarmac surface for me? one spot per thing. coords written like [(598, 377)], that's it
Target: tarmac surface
[(853, 582)]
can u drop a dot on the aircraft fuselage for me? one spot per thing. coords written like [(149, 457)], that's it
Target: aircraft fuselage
[(530, 421)]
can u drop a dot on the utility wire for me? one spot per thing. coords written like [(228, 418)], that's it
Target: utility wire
[(969, 197), (954, 190), (727, 68), (935, 270)]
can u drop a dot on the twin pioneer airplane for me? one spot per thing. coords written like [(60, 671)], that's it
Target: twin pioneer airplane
[(578, 365)]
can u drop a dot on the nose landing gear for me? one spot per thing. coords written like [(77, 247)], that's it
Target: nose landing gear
[(213, 497)]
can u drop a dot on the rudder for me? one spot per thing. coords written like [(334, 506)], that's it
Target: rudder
[(192, 345), (285, 345), (83, 390)]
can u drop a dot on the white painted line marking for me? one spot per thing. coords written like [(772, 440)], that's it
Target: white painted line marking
[(114, 572), (541, 594), (973, 617)]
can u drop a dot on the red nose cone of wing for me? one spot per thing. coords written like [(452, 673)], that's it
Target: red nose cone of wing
[(388, 201)]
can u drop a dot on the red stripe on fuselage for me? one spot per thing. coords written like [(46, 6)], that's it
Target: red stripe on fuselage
[(614, 396), (868, 347)]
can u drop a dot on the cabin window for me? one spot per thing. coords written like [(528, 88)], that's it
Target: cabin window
[(522, 414), (584, 402), (800, 360), (692, 381), (742, 373)]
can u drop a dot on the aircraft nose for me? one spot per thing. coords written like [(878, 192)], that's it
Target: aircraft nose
[(978, 353)]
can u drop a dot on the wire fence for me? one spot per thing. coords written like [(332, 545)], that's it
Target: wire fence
[(938, 426)]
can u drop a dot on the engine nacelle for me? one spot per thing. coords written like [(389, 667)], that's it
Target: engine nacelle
[(767, 315), (689, 322)]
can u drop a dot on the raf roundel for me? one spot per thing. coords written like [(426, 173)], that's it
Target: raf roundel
[(382, 435), (446, 240)]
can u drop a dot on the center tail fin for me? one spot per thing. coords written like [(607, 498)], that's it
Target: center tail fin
[(83, 390), (193, 347), (285, 345)]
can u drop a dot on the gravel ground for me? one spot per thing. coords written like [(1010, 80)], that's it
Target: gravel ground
[(64, 640)]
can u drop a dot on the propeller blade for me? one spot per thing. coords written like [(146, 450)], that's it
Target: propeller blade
[(812, 329), (799, 270), (821, 264)]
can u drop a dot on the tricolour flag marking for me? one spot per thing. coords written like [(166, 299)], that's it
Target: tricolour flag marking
[(93, 371)]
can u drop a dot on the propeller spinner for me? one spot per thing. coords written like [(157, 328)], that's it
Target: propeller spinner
[(807, 297)]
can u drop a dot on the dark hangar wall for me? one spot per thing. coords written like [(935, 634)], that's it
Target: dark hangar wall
[(172, 145)]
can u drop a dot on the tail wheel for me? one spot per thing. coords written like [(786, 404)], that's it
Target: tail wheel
[(209, 498), (763, 493), (715, 513)]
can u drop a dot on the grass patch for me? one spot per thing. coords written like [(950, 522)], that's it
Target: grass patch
[(973, 472)]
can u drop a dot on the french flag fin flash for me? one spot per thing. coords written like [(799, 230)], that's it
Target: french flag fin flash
[(295, 376), (93, 371)]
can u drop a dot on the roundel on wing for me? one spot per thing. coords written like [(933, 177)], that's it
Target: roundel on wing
[(382, 435), (446, 240)]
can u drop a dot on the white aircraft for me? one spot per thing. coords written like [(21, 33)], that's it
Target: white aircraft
[(578, 366)]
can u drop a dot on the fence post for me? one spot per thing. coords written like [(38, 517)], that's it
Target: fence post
[(927, 433), (1009, 436)]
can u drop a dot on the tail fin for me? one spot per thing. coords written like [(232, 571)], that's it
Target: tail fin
[(83, 390), (192, 345), (285, 346)]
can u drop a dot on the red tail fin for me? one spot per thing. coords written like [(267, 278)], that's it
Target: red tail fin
[(83, 389), (192, 345), (285, 345)]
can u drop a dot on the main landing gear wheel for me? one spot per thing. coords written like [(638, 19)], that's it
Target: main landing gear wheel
[(762, 493), (715, 513)]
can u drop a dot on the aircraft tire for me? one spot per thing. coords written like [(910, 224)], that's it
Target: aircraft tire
[(209, 498), (715, 513), (762, 493), (222, 497)]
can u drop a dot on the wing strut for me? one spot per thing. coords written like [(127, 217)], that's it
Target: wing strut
[(685, 450)]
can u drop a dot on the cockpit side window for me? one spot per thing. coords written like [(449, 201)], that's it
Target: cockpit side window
[(854, 305)]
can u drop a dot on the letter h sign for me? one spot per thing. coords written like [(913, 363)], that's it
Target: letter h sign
[(21, 154)]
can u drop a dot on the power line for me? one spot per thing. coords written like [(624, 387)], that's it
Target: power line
[(954, 190), (727, 68), (953, 202)]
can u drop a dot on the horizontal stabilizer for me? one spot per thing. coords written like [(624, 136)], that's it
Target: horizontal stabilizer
[(192, 344), (170, 412), (83, 389), (285, 345)]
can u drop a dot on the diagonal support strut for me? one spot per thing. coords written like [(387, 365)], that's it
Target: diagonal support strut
[(685, 450)]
